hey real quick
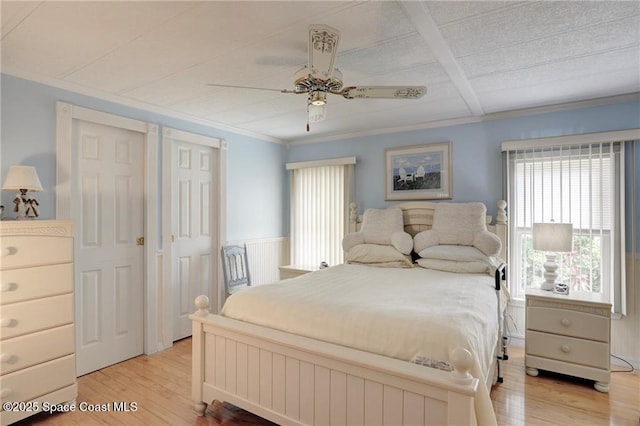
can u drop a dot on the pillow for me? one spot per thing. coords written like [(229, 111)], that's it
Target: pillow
[(382, 227), (474, 267), (352, 239), (379, 224), (378, 255), (424, 239), (455, 253), (458, 223), (488, 243), (402, 242)]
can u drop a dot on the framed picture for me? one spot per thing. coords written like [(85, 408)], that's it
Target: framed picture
[(419, 172)]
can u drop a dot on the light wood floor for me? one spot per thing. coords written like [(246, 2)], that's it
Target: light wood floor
[(161, 386)]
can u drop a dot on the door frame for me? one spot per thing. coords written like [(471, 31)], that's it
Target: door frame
[(169, 137), (65, 169)]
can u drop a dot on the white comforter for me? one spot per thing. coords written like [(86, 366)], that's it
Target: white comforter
[(397, 312)]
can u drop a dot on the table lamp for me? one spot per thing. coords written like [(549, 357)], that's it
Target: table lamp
[(552, 238), (23, 179)]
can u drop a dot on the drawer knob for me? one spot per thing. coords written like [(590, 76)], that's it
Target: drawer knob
[(566, 322), (9, 287), (6, 358), (8, 251), (565, 348), (7, 322)]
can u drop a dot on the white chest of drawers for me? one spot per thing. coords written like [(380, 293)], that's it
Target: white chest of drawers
[(569, 335), (37, 342)]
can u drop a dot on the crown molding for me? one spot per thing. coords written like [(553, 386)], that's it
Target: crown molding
[(501, 115), (123, 100)]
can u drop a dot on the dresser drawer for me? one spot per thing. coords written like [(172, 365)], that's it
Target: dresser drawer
[(33, 283), (26, 317), (35, 348), (568, 323), (30, 250), (569, 349), (24, 385)]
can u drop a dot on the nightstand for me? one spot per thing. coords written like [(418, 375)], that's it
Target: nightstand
[(569, 335), (292, 271)]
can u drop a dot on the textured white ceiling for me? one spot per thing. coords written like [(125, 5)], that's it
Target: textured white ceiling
[(476, 58)]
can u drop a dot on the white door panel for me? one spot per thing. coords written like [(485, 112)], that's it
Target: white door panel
[(109, 202), (193, 216)]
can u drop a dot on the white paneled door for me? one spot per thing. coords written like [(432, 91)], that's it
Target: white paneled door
[(109, 204), (193, 217)]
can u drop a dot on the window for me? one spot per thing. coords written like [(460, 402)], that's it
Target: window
[(321, 192), (567, 180)]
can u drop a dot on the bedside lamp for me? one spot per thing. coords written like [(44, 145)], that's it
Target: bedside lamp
[(23, 179), (552, 238)]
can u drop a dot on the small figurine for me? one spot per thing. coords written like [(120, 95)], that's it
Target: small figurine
[(19, 207), (31, 208)]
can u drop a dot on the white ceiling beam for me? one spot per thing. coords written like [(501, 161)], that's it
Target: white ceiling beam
[(417, 12)]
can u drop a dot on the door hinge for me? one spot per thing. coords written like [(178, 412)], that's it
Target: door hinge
[(173, 238), (140, 241)]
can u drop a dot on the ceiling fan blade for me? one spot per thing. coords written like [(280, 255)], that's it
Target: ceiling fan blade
[(255, 88), (383, 92), (323, 45)]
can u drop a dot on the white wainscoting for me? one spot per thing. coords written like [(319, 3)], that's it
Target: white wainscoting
[(265, 256)]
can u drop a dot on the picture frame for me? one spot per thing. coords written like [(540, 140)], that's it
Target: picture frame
[(418, 172)]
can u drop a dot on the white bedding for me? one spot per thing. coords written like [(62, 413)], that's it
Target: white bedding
[(402, 313)]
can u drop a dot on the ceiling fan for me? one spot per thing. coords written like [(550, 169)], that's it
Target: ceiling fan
[(319, 78)]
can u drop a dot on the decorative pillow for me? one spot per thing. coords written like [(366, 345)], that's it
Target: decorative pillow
[(402, 242), (378, 255), (382, 227), (352, 239), (379, 224), (455, 253), (460, 224), (488, 243), (475, 267), (424, 239)]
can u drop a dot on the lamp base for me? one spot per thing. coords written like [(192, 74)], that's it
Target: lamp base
[(547, 286), (550, 274), (25, 206)]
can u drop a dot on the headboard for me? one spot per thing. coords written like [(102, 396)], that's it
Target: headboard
[(418, 217)]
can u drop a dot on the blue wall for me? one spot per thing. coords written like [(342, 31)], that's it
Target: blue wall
[(255, 168), (256, 174), (476, 156)]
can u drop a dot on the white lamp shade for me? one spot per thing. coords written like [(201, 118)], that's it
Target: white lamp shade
[(554, 237), (22, 177)]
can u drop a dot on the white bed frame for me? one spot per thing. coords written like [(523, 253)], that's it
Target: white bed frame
[(290, 379)]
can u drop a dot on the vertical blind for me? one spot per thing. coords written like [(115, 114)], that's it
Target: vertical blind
[(320, 196), (581, 184)]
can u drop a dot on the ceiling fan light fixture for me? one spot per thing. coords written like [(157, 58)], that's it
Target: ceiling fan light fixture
[(318, 98)]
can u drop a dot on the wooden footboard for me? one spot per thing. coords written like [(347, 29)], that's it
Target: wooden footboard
[(291, 379)]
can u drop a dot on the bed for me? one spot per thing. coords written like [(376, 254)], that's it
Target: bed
[(362, 358)]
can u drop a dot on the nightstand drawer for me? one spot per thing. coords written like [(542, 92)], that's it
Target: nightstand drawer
[(569, 349), (35, 315), (568, 323), (25, 351), (33, 283)]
